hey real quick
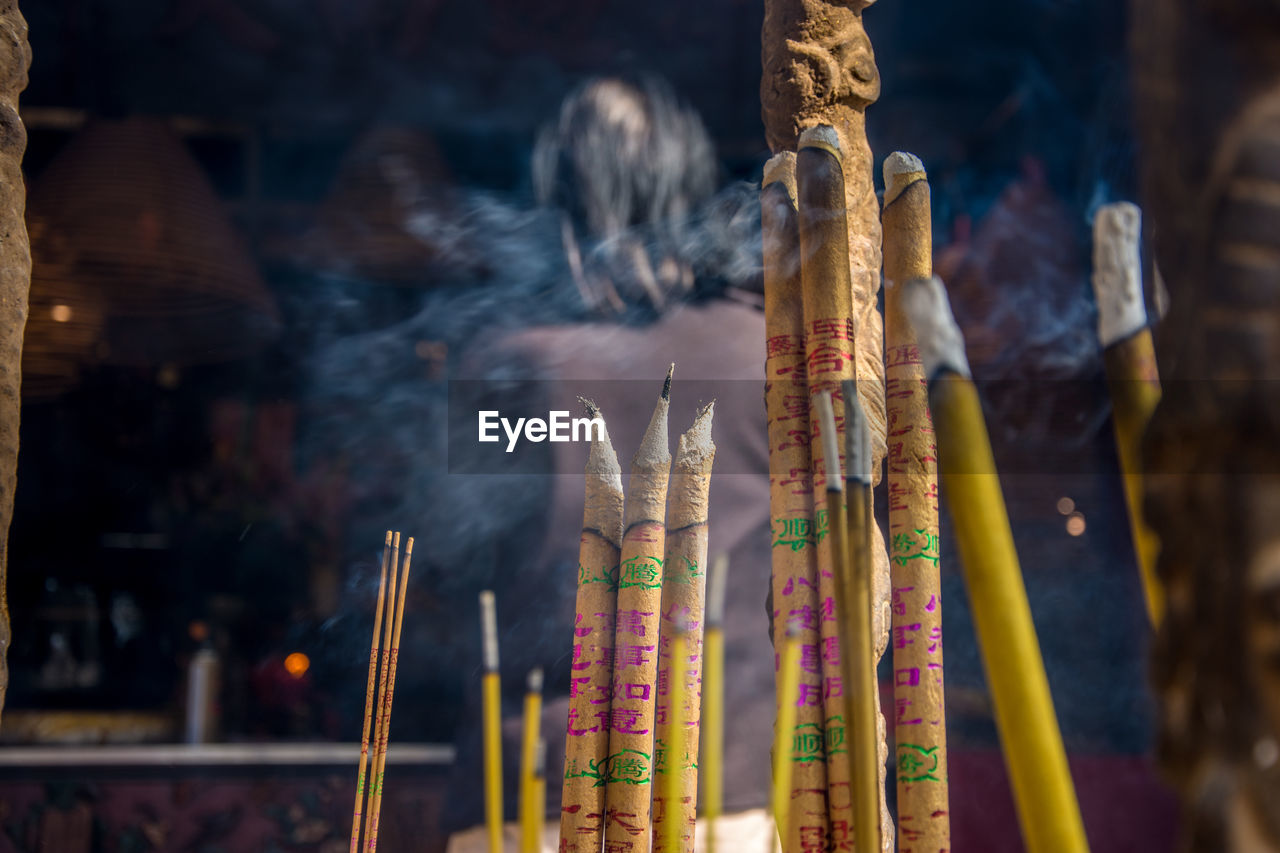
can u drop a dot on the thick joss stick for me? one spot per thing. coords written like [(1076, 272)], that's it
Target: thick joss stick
[(591, 681), (712, 764), (628, 770), (669, 829), (1132, 375), (380, 718), (684, 581), (391, 695), (783, 746), (794, 580), (858, 650), (368, 696), (829, 353), (491, 686), (531, 839), (921, 730), (1037, 763)]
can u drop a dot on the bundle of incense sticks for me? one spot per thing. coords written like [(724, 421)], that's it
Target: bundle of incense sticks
[(374, 768), (635, 686)]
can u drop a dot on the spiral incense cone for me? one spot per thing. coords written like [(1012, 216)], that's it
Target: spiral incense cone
[(591, 677), (794, 581), (628, 769), (684, 583), (920, 729)]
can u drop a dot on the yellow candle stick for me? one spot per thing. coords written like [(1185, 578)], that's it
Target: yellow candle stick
[(539, 793), (1132, 376), (368, 697), (712, 764), (530, 811), (675, 751), (492, 721), (788, 697), (859, 650), (1043, 792)]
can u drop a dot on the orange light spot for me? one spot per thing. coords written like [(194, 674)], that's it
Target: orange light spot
[(1075, 523), (297, 664), (60, 313), (1066, 506)]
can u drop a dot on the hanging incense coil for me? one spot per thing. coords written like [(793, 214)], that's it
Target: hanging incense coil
[(129, 235)]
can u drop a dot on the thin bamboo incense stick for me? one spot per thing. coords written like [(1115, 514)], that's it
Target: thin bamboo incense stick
[(860, 671), (539, 792), (920, 731), (629, 767), (783, 760), (491, 687), (368, 696), (683, 601), (669, 829), (531, 841), (381, 719), (1047, 808), (591, 680), (1132, 375), (391, 695), (794, 578), (712, 764), (829, 351)]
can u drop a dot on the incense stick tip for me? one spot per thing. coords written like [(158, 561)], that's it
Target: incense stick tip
[(857, 436), (830, 442), (716, 580), (941, 344), (534, 681), (395, 540), (696, 444), (602, 459), (408, 548), (821, 136), (489, 630), (781, 169), (666, 386), (388, 542), (901, 170), (654, 448), (1117, 271)]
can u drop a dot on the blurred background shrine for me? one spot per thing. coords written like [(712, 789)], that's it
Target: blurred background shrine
[(264, 233)]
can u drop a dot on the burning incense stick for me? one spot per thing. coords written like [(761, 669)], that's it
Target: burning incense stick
[(1132, 376), (860, 679), (380, 720), (629, 767), (829, 355), (921, 732), (712, 764), (492, 697), (591, 681), (1033, 751), (669, 829), (794, 581), (391, 695), (783, 752), (529, 810), (368, 696), (683, 593)]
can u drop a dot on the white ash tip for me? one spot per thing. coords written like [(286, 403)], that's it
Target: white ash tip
[(717, 578), (830, 442), (781, 169), (489, 630), (534, 682), (821, 136), (897, 166), (1117, 271), (941, 345), (696, 442), (654, 448), (857, 436), (602, 459)]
